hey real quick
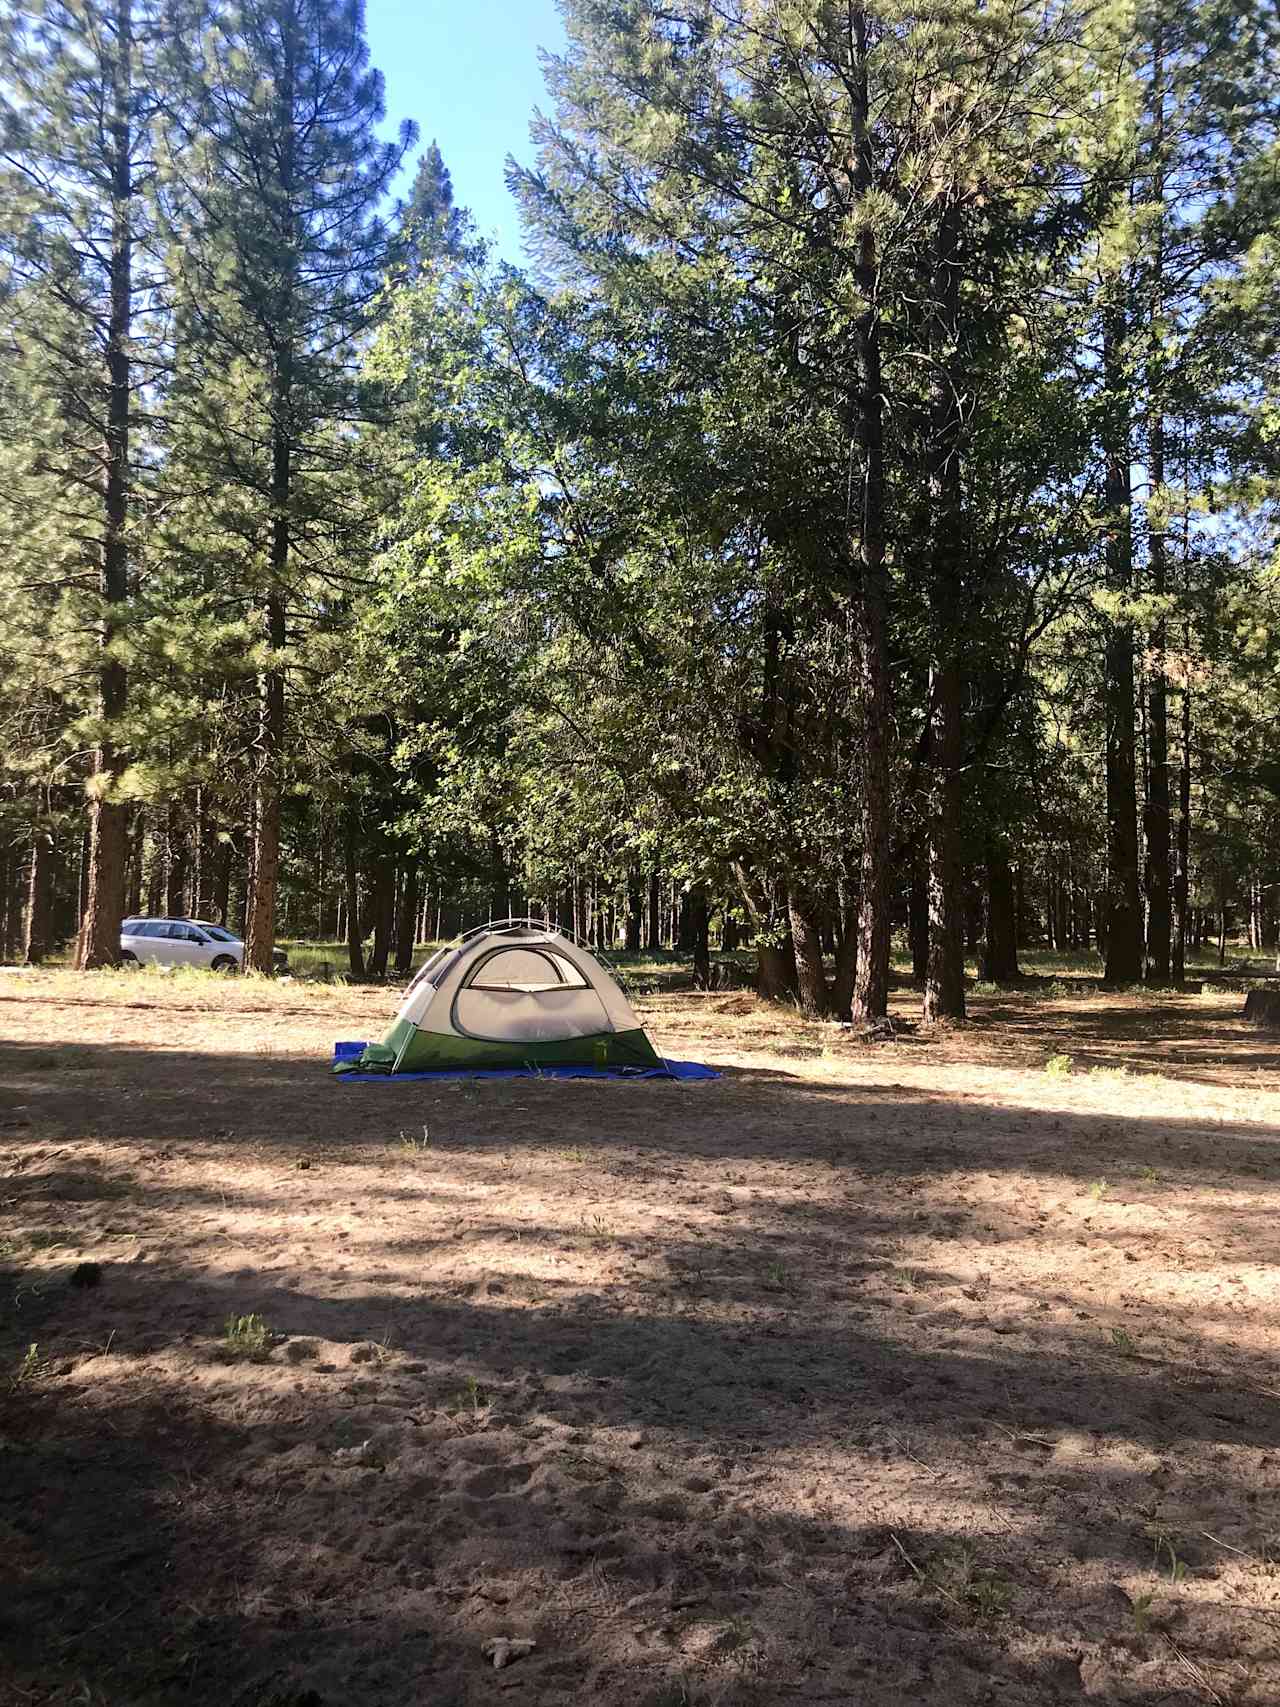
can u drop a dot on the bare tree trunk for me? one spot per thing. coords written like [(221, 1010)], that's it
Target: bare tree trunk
[(811, 983), (1156, 814), (1182, 869), (175, 862), (999, 958), (873, 684), (1124, 921), (944, 975), (9, 907), (382, 905), (99, 943), (700, 932), (351, 873), (268, 788), (918, 919), (407, 927), (776, 973), (655, 914), (846, 964), (635, 910), (40, 897)]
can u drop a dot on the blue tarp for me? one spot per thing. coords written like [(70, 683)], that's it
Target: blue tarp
[(668, 1070)]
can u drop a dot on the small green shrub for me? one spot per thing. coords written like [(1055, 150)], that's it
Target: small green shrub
[(1058, 1066), (31, 1366), (959, 1578), (247, 1338)]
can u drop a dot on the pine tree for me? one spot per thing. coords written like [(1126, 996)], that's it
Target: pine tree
[(431, 227), (283, 257), (77, 105)]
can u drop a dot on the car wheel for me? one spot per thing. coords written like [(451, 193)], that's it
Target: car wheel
[(224, 963), (127, 959)]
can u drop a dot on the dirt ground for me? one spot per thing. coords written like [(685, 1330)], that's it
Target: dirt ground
[(904, 1372)]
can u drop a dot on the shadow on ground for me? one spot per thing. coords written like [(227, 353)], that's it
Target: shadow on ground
[(772, 1389)]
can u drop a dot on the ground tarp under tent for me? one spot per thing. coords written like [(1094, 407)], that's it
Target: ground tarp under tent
[(519, 996)]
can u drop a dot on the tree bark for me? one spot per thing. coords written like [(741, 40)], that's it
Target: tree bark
[(872, 681), (260, 934), (406, 929), (635, 910), (918, 919), (99, 943), (998, 963), (1156, 809), (1124, 913), (351, 873), (775, 950), (40, 898), (846, 964), (944, 973), (700, 932), (1182, 871), (811, 982), (176, 862), (222, 883), (382, 906), (9, 904), (655, 914)]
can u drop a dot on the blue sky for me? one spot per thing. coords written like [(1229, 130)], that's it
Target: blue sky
[(467, 72)]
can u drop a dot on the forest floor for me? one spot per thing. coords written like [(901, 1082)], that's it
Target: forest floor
[(934, 1370)]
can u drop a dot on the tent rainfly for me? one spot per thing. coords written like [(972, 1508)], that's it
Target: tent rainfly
[(518, 994)]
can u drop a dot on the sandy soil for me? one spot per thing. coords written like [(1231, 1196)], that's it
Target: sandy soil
[(887, 1373)]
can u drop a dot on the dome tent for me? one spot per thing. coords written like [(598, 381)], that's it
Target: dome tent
[(515, 994)]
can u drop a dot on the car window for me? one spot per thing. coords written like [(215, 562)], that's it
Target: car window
[(143, 927), (219, 934)]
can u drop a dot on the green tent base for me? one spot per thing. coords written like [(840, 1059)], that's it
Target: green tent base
[(405, 1049)]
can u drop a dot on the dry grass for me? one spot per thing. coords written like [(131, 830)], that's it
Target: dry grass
[(879, 1374)]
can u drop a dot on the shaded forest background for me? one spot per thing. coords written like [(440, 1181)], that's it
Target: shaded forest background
[(858, 515)]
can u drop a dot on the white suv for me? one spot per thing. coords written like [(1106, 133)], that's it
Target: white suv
[(184, 942)]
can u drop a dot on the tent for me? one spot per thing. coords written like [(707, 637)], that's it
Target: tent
[(515, 994)]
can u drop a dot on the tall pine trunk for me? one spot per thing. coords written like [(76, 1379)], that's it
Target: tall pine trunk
[(99, 943), (700, 931), (268, 786), (998, 963), (944, 971), (382, 907), (351, 876), (1124, 913), (260, 935), (40, 898), (1156, 810), (406, 928), (635, 910), (846, 970), (872, 683), (1182, 869)]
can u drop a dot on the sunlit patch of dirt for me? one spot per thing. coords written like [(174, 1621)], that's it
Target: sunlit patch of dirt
[(868, 1373)]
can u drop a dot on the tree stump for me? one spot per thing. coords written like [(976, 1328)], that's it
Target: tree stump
[(1263, 1008)]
